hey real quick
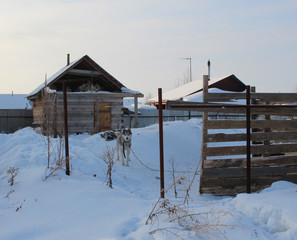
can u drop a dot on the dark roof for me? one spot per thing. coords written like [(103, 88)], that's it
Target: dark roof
[(230, 83), (81, 71)]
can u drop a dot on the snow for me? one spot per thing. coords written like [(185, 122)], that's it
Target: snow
[(53, 77), (129, 103), (14, 101), (82, 206), (129, 91), (184, 90)]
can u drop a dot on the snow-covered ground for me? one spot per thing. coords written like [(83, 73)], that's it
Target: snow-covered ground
[(82, 206)]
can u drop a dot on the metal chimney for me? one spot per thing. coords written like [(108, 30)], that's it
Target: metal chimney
[(68, 59), (208, 66)]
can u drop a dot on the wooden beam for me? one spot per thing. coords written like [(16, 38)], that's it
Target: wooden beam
[(84, 72), (255, 136), (256, 172), (261, 124), (255, 162), (255, 149), (262, 97)]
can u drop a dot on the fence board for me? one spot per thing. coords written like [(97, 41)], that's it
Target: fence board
[(260, 124), (255, 162), (255, 149), (255, 172), (264, 97), (255, 136)]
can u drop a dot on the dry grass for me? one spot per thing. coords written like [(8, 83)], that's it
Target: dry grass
[(183, 222), (108, 158), (12, 173), (179, 221)]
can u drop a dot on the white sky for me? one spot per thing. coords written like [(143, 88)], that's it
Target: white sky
[(140, 42)]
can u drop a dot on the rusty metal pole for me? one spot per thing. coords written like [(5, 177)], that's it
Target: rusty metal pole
[(161, 144), (248, 139), (66, 122), (66, 128)]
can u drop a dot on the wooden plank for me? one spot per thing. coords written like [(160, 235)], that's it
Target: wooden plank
[(277, 111), (233, 182), (264, 97), (255, 149), (260, 124), (220, 191), (233, 108), (275, 97), (241, 172), (84, 72), (225, 186), (255, 136), (255, 162), (204, 121)]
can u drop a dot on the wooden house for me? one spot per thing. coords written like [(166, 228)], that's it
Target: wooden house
[(94, 99)]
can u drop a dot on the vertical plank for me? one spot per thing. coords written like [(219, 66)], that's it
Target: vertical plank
[(267, 142), (204, 130), (248, 140)]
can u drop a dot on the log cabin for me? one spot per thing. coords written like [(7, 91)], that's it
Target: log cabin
[(94, 99)]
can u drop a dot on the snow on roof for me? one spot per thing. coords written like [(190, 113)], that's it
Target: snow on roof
[(15, 101), (129, 103), (64, 69), (127, 90), (184, 90), (53, 77), (198, 97)]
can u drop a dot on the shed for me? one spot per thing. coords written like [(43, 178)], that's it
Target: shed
[(95, 99), (192, 89)]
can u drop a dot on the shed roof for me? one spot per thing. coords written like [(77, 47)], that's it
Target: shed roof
[(82, 70), (229, 83)]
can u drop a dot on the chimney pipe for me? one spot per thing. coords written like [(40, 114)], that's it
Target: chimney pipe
[(68, 59), (208, 65)]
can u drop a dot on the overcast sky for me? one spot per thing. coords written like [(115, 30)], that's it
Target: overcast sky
[(140, 42)]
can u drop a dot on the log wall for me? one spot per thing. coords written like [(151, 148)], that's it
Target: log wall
[(81, 111)]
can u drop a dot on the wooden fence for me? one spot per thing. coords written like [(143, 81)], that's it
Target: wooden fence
[(12, 120), (247, 155)]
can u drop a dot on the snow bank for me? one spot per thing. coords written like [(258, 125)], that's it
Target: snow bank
[(273, 209), (81, 206)]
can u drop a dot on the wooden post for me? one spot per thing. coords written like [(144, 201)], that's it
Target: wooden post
[(161, 144), (135, 112), (248, 140), (267, 142), (204, 130)]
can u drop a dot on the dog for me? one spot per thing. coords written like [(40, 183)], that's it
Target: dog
[(124, 141)]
